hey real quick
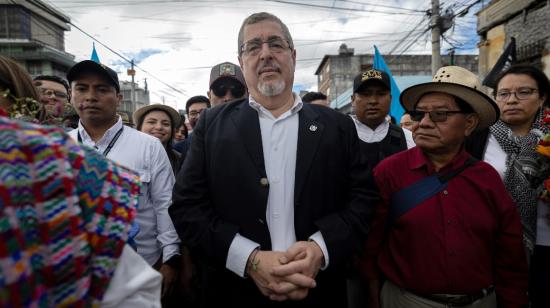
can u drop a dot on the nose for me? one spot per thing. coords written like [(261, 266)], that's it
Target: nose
[(265, 52), (426, 121), (228, 96)]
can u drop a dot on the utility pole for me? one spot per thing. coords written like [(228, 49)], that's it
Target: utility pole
[(132, 73), (436, 37)]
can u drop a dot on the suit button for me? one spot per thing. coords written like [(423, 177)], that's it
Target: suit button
[(264, 182), (261, 221)]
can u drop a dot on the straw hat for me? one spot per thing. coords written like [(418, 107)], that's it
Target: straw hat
[(459, 82), (174, 115)]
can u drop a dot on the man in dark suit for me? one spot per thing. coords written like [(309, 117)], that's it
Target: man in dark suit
[(273, 197)]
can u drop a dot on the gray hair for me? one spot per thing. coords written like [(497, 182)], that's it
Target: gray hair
[(258, 17)]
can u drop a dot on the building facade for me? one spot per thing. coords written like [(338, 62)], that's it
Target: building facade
[(335, 73), (32, 33), (128, 106), (528, 21)]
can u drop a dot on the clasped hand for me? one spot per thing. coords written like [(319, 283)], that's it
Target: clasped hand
[(287, 275)]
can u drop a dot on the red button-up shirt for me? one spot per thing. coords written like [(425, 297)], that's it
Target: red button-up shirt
[(461, 240)]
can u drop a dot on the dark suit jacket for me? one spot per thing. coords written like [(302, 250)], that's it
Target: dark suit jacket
[(219, 193)]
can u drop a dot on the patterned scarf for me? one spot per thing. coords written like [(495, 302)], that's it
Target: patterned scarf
[(65, 212), (521, 167)]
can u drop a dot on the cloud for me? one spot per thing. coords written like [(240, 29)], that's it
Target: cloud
[(178, 42)]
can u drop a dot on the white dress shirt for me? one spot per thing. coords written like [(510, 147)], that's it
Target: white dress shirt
[(134, 283), (146, 156), (368, 135), (496, 157), (279, 143)]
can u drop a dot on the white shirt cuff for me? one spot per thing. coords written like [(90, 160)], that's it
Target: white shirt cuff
[(317, 237), (239, 251), (169, 251)]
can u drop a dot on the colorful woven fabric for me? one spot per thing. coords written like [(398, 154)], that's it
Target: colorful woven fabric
[(65, 213)]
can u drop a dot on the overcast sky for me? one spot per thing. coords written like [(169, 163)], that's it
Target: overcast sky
[(177, 42)]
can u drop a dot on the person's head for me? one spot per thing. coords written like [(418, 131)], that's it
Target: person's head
[(194, 107), (95, 93), (406, 121), (15, 80), (316, 98), (267, 56), (159, 121), (447, 110), (226, 83), (520, 93), (181, 132), (54, 93), (371, 97)]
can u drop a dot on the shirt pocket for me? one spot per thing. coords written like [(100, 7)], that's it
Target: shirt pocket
[(145, 178)]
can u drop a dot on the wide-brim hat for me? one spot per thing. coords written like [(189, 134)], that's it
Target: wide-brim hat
[(174, 115), (459, 82), (89, 66)]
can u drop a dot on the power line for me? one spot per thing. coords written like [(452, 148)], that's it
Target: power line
[(340, 8), (46, 8)]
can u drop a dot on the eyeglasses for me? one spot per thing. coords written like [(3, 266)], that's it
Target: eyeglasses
[(435, 116), (221, 89), (275, 45), (52, 93), (521, 94), (195, 113)]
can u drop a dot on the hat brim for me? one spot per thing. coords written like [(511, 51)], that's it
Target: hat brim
[(88, 66), (220, 78), (174, 115), (485, 107)]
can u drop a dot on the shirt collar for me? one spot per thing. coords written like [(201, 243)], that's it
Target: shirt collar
[(296, 107), (382, 126), (418, 160), (109, 134)]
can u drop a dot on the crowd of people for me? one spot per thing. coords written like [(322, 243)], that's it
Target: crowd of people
[(269, 199)]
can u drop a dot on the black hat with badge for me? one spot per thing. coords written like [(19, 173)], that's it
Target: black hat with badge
[(369, 76), (89, 66)]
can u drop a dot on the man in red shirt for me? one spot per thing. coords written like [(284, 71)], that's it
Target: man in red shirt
[(447, 234)]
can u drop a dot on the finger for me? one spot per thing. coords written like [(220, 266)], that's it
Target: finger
[(289, 268), (301, 280), (282, 287), (298, 294), (293, 251)]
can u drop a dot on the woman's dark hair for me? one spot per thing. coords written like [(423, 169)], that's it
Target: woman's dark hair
[(182, 123), (540, 78)]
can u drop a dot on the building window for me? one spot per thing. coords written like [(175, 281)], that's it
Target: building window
[(34, 68)]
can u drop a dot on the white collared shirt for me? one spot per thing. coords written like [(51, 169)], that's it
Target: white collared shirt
[(279, 143), (368, 135), (146, 156)]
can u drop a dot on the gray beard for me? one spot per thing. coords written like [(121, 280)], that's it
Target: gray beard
[(271, 89)]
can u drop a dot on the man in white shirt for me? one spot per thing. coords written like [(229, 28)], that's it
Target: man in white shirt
[(95, 96), (273, 189)]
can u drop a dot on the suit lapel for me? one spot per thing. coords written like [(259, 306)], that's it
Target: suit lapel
[(309, 134), (246, 120)]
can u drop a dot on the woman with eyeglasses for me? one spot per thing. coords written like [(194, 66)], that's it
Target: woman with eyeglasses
[(522, 94)]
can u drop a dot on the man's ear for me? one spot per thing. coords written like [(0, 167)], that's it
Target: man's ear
[(472, 120)]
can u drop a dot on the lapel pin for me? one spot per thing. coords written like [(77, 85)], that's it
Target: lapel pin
[(313, 128)]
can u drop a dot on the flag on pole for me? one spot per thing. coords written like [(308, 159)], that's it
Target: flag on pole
[(506, 60), (94, 56), (396, 110)]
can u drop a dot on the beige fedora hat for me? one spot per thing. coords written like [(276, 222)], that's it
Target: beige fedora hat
[(459, 82), (174, 115)]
